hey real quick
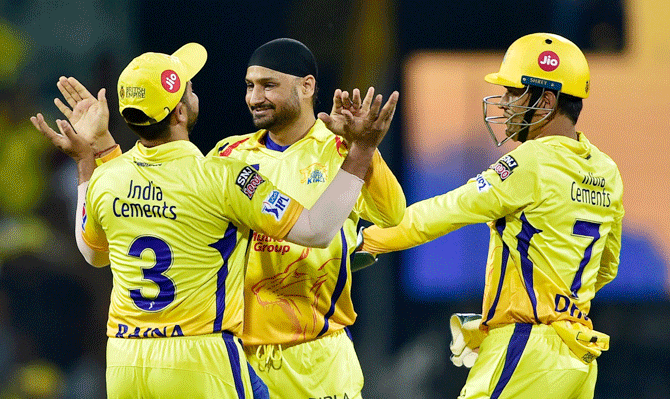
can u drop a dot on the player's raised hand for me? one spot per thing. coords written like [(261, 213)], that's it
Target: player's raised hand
[(88, 115), (68, 141), (366, 122)]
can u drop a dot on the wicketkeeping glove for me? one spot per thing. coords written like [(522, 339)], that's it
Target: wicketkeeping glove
[(466, 337), (361, 259)]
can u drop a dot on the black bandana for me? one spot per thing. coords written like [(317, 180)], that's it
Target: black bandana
[(286, 56)]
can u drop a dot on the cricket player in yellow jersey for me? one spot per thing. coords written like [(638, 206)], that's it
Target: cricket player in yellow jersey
[(298, 299), (554, 206), (174, 226)]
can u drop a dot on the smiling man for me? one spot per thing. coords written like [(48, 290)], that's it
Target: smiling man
[(298, 301)]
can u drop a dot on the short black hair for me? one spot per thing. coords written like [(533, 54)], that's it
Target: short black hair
[(568, 105), (154, 131)]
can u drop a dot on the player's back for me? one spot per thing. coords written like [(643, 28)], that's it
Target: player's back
[(551, 249), (176, 256)]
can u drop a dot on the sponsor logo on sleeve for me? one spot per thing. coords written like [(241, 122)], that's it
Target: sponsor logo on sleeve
[(275, 204), (504, 167), (482, 184), (84, 217), (248, 180)]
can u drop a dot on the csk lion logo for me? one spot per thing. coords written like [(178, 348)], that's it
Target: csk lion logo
[(314, 173)]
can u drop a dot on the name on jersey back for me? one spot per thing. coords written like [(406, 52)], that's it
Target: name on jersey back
[(594, 193), (152, 204)]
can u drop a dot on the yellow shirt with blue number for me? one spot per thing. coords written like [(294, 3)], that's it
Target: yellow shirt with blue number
[(554, 206), (294, 293), (177, 227)]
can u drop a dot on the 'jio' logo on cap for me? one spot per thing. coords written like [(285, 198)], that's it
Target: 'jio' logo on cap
[(548, 61), (170, 81)]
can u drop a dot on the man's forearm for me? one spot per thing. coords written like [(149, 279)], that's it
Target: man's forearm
[(358, 160), (85, 168)]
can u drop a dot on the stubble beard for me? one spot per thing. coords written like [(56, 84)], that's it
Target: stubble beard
[(279, 118)]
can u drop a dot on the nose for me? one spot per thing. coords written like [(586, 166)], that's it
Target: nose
[(504, 101), (255, 95)]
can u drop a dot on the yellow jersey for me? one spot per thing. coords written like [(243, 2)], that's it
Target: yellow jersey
[(294, 293), (554, 208), (177, 226)]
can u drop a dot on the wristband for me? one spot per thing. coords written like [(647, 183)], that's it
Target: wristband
[(97, 154), (116, 151)]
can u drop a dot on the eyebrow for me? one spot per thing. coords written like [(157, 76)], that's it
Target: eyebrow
[(263, 80)]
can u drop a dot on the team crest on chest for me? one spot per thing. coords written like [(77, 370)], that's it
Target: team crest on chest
[(314, 173)]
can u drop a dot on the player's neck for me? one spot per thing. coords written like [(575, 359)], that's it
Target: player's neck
[(294, 131), (558, 126), (175, 134)]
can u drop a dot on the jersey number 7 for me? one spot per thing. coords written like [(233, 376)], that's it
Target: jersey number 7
[(584, 229)]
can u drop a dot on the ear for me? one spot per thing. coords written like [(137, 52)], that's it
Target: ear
[(549, 100), (179, 114), (308, 86)]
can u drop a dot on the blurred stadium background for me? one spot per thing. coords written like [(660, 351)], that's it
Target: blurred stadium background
[(53, 305)]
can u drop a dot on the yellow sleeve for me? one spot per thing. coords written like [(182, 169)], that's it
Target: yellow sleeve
[(92, 233), (485, 198), (609, 262), (251, 200), (382, 200), (116, 152)]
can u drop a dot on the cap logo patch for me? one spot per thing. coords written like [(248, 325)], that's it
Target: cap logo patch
[(548, 61), (121, 93), (137, 92), (170, 81)]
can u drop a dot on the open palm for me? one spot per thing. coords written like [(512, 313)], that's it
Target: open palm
[(88, 115), (365, 122)]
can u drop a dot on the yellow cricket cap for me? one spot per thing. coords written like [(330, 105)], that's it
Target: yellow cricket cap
[(154, 82)]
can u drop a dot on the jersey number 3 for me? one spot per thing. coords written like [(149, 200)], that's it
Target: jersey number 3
[(166, 289)]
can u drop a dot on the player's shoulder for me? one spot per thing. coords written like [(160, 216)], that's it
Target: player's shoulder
[(220, 163), (522, 158), (231, 143), (320, 132), (525, 154), (328, 141), (114, 165)]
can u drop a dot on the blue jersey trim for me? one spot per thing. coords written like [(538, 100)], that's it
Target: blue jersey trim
[(225, 246), (259, 387), (234, 359), (517, 344), (500, 226), (271, 145), (527, 232), (339, 286)]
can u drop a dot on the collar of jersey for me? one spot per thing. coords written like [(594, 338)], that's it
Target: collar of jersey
[(581, 147), (165, 152), (318, 132)]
